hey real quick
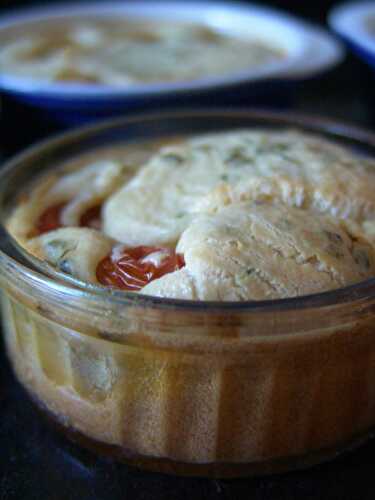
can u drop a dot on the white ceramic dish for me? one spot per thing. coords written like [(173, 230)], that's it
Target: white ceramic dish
[(309, 51), (352, 22)]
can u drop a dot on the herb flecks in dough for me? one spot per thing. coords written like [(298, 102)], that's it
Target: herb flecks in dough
[(240, 253), (361, 256), (257, 214), (238, 158), (57, 253), (75, 251)]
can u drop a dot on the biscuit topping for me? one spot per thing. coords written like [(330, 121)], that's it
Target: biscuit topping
[(240, 215)]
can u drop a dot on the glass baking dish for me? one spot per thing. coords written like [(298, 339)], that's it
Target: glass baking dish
[(194, 388)]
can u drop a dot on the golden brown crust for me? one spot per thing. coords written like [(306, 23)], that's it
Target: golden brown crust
[(262, 251), (152, 198)]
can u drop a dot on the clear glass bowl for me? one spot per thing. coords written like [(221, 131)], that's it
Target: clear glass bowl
[(221, 389)]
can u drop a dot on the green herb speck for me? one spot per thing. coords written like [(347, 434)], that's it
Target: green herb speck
[(333, 237), (174, 158), (65, 266), (362, 259), (238, 158)]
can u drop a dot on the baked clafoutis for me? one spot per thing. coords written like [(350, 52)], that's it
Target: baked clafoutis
[(124, 52), (247, 215), (172, 312)]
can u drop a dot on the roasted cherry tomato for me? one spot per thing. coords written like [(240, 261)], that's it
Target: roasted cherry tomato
[(91, 218), (132, 270), (50, 219)]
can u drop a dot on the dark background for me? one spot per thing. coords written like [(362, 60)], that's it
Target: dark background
[(36, 463), (316, 10)]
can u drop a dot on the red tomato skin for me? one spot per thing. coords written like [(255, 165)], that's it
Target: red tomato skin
[(130, 273), (50, 219)]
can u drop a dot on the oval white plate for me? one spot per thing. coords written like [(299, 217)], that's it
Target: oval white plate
[(350, 21), (296, 37)]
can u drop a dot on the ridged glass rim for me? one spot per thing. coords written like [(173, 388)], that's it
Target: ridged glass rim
[(77, 289)]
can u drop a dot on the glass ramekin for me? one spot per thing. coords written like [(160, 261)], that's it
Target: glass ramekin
[(203, 388)]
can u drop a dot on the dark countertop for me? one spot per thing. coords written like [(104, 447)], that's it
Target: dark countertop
[(37, 463)]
